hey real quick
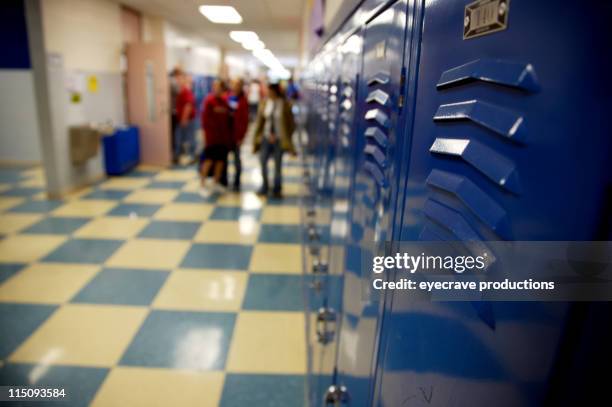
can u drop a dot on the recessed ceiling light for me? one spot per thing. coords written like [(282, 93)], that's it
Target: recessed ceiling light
[(242, 36), (253, 45), (221, 14)]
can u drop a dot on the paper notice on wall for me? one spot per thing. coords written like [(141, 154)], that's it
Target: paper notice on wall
[(75, 81), (92, 84)]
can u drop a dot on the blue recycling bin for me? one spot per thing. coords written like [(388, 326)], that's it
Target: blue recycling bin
[(121, 150)]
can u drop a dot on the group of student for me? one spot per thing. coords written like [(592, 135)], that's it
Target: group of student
[(225, 120)]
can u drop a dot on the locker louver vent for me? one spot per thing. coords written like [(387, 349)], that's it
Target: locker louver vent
[(378, 122), (503, 123)]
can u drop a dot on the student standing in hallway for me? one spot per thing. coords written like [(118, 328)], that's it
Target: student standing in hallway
[(239, 108), (185, 112), (217, 137), (274, 129)]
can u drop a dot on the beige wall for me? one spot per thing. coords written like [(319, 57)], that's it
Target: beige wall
[(152, 29), (87, 33)]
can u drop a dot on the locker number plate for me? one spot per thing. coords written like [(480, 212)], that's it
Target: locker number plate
[(484, 17)]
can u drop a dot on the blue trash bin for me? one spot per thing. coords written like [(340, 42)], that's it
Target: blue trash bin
[(121, 150)]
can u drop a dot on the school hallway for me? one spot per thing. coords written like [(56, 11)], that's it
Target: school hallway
[(137, 291)]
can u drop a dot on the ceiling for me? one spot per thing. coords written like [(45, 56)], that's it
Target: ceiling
[(277, 22)]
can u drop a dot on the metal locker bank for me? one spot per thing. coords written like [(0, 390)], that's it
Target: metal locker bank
[(463, 123)]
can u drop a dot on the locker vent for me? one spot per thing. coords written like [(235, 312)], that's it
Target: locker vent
[(443, 221), (378, 122)]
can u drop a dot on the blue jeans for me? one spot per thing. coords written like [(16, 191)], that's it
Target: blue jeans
[(185, 134), (271, 150)]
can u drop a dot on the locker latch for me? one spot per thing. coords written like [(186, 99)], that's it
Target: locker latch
[(400, 100), (326, 317), (336, 395)]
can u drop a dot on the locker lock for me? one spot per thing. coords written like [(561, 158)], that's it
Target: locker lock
[(336, 395), (319, 267), (310, 212), (326, 319)]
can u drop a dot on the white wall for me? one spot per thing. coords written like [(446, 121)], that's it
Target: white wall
[(84, 36), (19, 133), (87, 33), (191, 52)]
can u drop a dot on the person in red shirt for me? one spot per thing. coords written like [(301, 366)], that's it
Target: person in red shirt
[(185, 112), (239, 107), (217, 137)]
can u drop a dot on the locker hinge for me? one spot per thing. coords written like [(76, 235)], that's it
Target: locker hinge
[(400, 101)]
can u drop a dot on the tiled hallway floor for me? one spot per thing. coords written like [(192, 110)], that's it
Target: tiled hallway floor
[(137, 292)]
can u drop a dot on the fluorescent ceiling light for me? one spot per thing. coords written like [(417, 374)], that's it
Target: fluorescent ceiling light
[(253, 45), (242, 36), (221, 14), (267, 58)]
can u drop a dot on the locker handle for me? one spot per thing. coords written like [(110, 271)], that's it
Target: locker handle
[(502, 121), (325, 318), (378, 116), (500, 72), (485, 208), (372, 151), (493, 165), (379, 96), (374, 133)]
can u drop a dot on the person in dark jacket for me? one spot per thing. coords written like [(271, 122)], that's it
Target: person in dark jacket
[(217, 138), (239, 108)]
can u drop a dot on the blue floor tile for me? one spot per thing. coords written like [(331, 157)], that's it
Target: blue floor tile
[(140, 174), (270, 233), (232, 213), (17, 322), (9, 270), (36, 206), (107, 194), (128, 209), (79, 383), (94, 251), (22, 192), (263, 390), (218, 256), (182, 340), (122, 287), (170, 230), (57, 226), (286, 200), (194, 197), (167, 184), (11, 175), (274, 292)]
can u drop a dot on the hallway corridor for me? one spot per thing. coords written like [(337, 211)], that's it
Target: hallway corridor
[(137, 292)]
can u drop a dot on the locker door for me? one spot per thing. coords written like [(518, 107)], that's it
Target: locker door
[(374, 173), (322, 285), (327, 281), (500, 152)]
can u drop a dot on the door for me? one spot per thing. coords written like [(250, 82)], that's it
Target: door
[(148, 101)]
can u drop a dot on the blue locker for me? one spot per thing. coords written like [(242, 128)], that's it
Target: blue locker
[(374, 175), (510, 142)]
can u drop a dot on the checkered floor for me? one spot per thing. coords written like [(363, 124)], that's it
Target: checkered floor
[(137, 292)]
